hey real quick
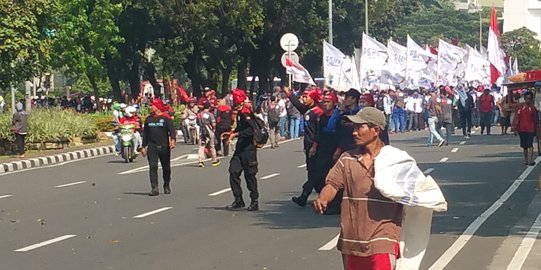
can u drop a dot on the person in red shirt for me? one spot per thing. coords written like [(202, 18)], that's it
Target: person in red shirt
[(526, 121), (130, 118), (486, 106)]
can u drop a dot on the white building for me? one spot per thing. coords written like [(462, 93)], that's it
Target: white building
[(522, 13)]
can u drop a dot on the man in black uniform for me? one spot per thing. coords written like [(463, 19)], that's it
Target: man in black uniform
[(158, 140), (311, 111), (245, 156)]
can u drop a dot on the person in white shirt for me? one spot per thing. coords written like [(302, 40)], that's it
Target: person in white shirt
[(282, 113), (410, 112)]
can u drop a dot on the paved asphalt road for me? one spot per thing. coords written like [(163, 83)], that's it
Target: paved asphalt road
[(94, 214)]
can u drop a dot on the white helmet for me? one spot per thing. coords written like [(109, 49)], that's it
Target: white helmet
[(122, 106), (130, 110)]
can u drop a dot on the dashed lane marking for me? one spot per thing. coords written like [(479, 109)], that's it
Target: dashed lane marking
[(70, 184), (454, 150), (428, 171), (269, 176), (301, 166), (6, 196), (152, 212), (462, 143), (220, 192), (48, 242), (526, 246), (444, 159), (331, 244), (463, 239)]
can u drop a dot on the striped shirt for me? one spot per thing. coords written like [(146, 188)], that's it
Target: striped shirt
[(370, 223)]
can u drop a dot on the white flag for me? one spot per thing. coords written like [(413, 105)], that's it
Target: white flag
[(418, 60), (300, 74), (451, 59), (373, 57), (478, 67), (394, 71), (333, 60)]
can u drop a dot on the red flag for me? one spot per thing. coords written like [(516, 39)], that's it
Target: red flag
[(495, 53)]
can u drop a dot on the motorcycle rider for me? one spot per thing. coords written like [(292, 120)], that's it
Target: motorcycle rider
[(189, 115), (130, 118)]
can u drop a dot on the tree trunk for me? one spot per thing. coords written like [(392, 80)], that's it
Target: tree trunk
[(226, 75), (133, 78), (94, 85), (113, 74), (191, 67), (242, 74)]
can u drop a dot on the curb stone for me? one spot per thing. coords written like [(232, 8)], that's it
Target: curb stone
[(48, 160)]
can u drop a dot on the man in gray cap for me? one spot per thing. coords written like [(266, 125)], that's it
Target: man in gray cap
[(370, 222)]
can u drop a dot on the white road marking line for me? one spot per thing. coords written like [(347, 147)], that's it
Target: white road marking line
[(5, 196), (70, 184), (463, 239), (219, 192), (331, 244), (301, 166), (181, 157), (48, 242), (444, 159), (526, 246), (472, 132), (429, 170), (152, 212), (462, 143), (454, 150), (269, 176)]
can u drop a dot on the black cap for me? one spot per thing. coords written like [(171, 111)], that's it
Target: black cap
[(352, 92)]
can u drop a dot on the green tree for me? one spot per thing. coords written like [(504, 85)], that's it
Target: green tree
[(86, 34), (522, 44), (25, 31)]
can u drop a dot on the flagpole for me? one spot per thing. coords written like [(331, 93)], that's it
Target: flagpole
[(330, 22), (289, 56)]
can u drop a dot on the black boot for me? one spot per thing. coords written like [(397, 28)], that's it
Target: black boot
[(301, 200), (254, 206), (154, 192), (237, 204), (166, 189)]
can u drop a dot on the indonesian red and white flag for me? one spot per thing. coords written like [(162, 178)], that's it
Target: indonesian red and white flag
[(496, 56), (300, 74)]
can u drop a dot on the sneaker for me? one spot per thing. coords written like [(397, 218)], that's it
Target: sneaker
[(117, 154), (201, 165), (154, 192), (216, 163), (441, 143), (166, 189)]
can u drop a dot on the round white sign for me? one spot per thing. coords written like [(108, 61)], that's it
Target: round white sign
[(289, 42), (294, 56)]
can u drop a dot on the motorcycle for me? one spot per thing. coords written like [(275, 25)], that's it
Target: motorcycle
[(193, 129), (127, 142)]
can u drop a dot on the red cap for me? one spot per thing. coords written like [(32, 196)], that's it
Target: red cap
[(158, 103), (330, 97), (368, 98), (313, 93), (239, 96)]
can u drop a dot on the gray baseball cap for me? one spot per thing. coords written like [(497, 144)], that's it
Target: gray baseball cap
[(369, 115)]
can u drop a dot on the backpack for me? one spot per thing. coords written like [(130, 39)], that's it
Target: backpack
[(273, 116), (261, 133)]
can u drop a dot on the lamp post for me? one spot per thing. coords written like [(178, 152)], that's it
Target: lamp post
[(366, 16), (330, 22)]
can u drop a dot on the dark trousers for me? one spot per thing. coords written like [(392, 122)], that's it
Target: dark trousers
[(244, 161), (220, 142), (19, 141), (448, 130), (486, 121), (418, 121), (312, 173), (465, 120), (155, 153)]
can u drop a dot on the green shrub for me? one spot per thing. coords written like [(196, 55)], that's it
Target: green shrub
[(52, 125)]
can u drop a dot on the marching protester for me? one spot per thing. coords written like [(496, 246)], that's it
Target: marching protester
[(245, 156), (372, 211), (207, 126), (311, 111), (19, 127), (434, 111), (223, 125), (445, 119), (525, 124), (270, 108), (486, 107), (465, 107), (158, 140), (505, 105)]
